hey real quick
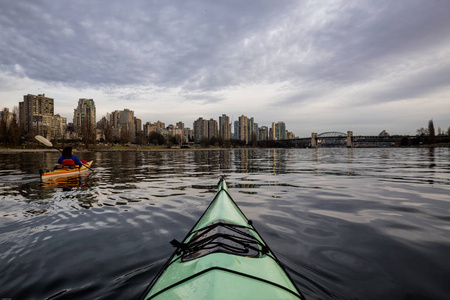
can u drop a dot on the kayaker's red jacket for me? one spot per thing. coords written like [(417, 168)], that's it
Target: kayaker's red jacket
[(73, 157)]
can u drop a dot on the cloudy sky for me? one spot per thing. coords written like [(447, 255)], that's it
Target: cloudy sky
[(319, 66)]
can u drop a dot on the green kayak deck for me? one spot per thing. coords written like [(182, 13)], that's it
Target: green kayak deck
[(222, 257)]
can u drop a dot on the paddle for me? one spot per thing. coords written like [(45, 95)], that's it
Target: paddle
[(47, 143)]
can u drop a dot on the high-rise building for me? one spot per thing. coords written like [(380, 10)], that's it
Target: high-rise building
[(250, 128), (213, 130), (58, 126), (126, 121), (114, 119), (243, 129), (137, 124), (280, 131), (180, 125), (224, 127), (184, 138), (272, 135), (188, 134), (159, 126), (34, 106), (84, 114), (263, 133), (236, 130), (282, 126), (200, 129), (7, 116)]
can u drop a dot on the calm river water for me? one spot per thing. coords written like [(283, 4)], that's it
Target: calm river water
[(347, 223)]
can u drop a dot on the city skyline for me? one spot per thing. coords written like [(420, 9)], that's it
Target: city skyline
[(329, 66), (232, 126), (36, 115)]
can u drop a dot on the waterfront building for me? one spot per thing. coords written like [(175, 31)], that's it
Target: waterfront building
[(272, 132), (184, 137), (137, 124), (50, 127), (114, 119), (158, 127), (58, 126), (250, 129), (263, 133), (173, 131), (34, 106), (188, 134), (278, 131), (236, 130), (200, 129), (84, 115), (213, 130), (180, 125), (243, 129), (126, 121), (148, 128), (7, 116), (224, 127)]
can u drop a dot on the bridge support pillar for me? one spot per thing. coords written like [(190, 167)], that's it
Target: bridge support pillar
[(350, 139), (314, 140)]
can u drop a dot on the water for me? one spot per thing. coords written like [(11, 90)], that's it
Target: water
[(347, 223)]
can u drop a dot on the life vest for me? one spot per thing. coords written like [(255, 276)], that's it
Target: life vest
[(68, 162)]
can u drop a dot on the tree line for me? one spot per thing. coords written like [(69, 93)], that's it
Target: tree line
[(429, 136), (11, 134), (10, 131)]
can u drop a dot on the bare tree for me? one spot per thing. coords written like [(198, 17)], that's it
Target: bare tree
[(106, 128), (422, 131), (431, 131), (125, 134), (9, 129), (14, 131), (3, 126), (88, 133)]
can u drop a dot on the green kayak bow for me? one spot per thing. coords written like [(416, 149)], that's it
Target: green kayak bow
[(222, 257)]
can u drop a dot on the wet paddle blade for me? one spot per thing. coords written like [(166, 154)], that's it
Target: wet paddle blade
[(43, 140)]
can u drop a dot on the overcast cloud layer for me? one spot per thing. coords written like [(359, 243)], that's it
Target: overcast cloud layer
[(317, 65)]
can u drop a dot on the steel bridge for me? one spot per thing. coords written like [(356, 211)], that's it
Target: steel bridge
[(331, 134), (340, 139)]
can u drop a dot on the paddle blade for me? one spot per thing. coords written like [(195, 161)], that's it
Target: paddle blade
[(43, 140)]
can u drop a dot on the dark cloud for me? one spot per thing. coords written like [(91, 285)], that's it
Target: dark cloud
[(364, 43), (414, 86), (206, 46), (202, 97), (113, 42)]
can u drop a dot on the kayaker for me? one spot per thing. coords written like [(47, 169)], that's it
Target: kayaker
[(68, 154)]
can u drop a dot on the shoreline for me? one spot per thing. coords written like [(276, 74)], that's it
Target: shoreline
[(14, 150), (44, 150)]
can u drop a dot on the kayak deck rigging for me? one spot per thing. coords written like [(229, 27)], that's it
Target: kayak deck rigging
[(221, 236)]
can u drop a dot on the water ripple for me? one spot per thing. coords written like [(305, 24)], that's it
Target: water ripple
[(347, 223)]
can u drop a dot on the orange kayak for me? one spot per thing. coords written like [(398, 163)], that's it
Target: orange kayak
[(66, 171)]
